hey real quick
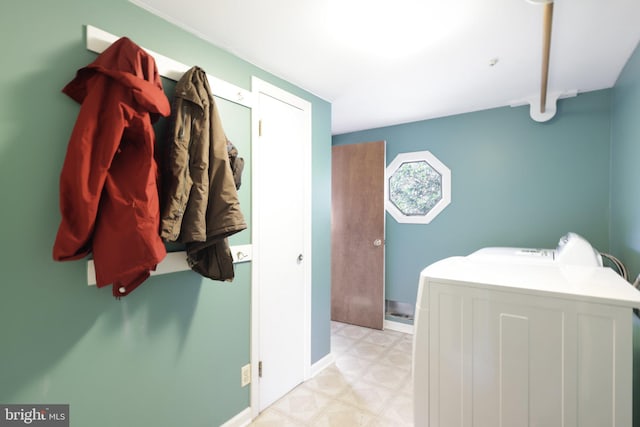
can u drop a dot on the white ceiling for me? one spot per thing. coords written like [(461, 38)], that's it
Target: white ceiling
[(385, 62)]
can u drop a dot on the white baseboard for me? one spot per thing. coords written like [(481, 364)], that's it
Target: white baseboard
[(322, 364), (398, 326), (243, 419)]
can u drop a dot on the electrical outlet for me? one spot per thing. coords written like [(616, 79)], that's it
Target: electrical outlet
[(245, 375)]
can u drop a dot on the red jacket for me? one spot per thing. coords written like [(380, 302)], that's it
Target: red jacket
[(108, 191)]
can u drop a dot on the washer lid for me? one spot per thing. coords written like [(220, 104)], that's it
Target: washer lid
[(576, 282), (514, 255)]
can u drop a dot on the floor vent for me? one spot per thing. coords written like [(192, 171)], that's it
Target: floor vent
[(400, 310)]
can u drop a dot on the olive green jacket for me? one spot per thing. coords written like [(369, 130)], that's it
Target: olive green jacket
[(201, 207)]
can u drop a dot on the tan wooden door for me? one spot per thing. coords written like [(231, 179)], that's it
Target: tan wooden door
[(357, 234)]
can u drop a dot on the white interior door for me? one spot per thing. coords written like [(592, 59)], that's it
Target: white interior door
[(282, 255)]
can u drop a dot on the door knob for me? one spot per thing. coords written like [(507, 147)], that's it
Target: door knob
[(377, 242), (300, 257)]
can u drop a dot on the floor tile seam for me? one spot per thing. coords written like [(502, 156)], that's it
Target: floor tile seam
[(390, 405), (347, 343), (408, 394), (316, 417), (393, 389), (349, 376), (342, 390), (407, 353), (392, 338), (385, 348), (351, 356), (280, 413), (366, 360), (348, 327), (391, 344), (355, 355), (387, 420), (354, 371), (354, 341), (395, 366), (384, 333), (396, 397), (368, 363), (305, 386), (336, 326), (340, 352), (316, 414), (401, 367), (383, 405), (399, 391), (352, 380), (320, 391), (362, 381), (381, 359), (404, 344), (401, 350), (343, 354), (357, 380)]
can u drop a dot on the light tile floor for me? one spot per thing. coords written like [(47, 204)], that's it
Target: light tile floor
[(369, 385)]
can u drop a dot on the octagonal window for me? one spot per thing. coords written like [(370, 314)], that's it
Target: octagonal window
[(415, 188), (418, 187)]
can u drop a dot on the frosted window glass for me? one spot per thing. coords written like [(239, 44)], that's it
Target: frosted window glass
[(418, 187)]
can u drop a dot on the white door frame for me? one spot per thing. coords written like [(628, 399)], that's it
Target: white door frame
[(260, 86)]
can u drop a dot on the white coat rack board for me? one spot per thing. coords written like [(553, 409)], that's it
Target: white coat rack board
[(99, 40)]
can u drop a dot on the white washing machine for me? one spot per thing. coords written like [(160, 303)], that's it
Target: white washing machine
[(524, 337)]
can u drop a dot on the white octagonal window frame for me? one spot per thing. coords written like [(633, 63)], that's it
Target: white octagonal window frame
[(445, 190)]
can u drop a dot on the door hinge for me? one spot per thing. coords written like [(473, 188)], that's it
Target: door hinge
[(260, 369), (260, 127)]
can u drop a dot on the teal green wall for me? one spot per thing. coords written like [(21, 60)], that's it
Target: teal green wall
[(625, 187), (515, 182), (625, 166), (170, 353)]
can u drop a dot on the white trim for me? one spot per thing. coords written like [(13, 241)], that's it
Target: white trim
[(322, 364), (243, 419), (398, 326), (260, 86), (254, 337), (98, 40)]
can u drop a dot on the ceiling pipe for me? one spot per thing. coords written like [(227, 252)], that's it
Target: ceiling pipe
[(543, 107), (546, 49)]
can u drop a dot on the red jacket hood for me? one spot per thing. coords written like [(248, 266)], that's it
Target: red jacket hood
[(132, 67)]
